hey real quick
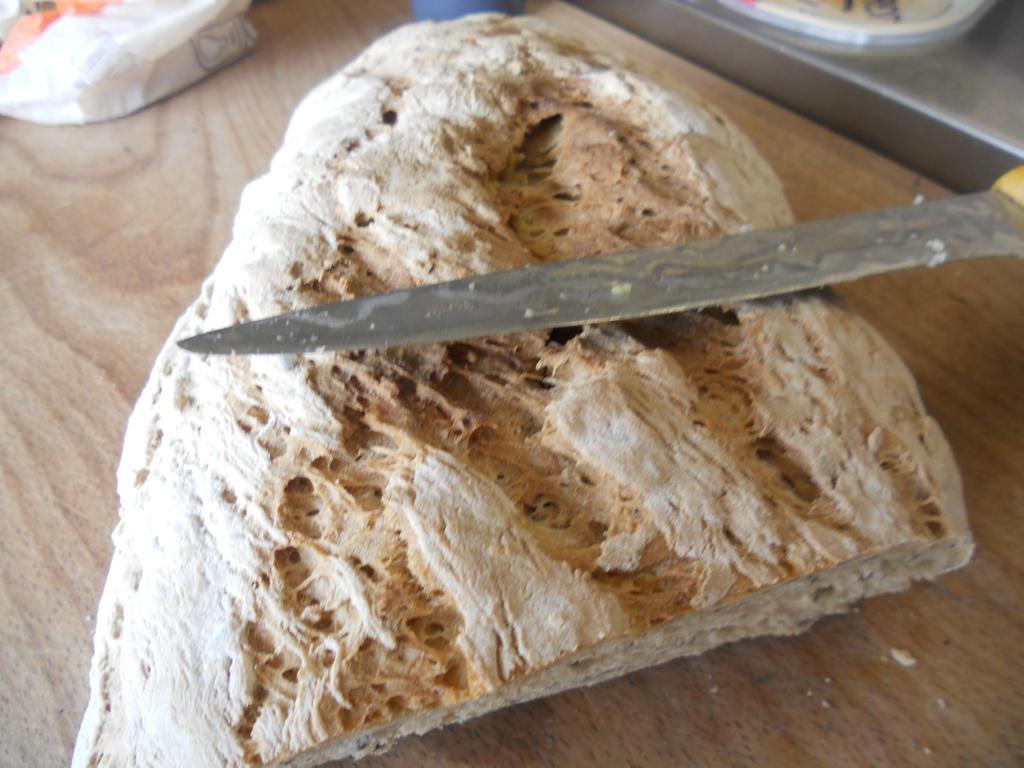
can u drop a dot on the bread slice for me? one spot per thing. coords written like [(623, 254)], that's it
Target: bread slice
[(319, 554)]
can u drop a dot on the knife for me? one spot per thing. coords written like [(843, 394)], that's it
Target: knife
[(648, 282)]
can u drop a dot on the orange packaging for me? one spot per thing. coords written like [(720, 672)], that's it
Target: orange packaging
[(32, 25)]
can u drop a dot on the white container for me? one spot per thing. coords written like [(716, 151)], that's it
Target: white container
[(867, 23)]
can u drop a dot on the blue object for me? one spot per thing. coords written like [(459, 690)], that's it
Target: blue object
[(442, 10)]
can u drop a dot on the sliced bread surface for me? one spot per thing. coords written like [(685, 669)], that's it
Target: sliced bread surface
[(318, 554)]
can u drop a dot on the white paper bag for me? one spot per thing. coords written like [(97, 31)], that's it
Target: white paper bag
[(102, 59)]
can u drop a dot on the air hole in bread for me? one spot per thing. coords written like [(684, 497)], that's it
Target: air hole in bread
[(257, 641), (545, 510), (454, 676), (291, 566), (721, 315), (564, 335), (822, 592), (431, 631), (251, 713), (396, 704), (368, 496), (538, 147), (327, 465), (259, 414), (793, 476), (299, 485), (325, 623), (300, 507), (366, 569)]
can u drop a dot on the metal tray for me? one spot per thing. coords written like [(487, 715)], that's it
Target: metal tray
[(951, 110)]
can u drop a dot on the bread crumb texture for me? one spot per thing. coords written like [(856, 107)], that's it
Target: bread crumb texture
[(313, 545)]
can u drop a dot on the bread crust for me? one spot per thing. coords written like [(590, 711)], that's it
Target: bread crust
[(317, 554)]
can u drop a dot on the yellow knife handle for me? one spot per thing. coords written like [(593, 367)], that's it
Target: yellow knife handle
[(1011, 184)]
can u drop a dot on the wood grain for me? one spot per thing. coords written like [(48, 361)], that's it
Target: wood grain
[(105, 234)]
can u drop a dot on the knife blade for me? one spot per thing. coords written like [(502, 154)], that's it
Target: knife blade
[(634, 284)]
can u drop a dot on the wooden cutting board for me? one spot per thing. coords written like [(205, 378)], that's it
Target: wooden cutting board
[(105, 234)]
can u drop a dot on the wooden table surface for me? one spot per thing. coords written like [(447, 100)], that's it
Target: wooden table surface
[(105, 234)]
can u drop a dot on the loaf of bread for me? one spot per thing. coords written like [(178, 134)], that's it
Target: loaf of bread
[(318, 554)]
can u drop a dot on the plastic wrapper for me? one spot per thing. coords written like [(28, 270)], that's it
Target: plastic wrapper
[(81, 61)]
